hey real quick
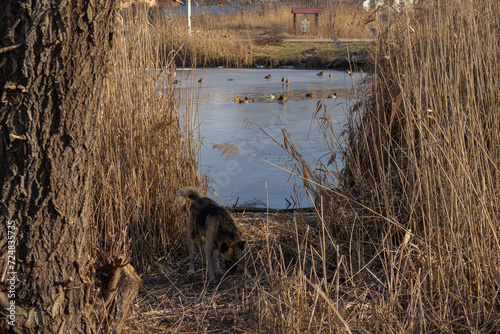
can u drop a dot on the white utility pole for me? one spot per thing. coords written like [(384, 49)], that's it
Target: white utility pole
[(189, 16)]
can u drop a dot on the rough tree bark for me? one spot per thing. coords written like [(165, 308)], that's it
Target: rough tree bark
[(52, 62)]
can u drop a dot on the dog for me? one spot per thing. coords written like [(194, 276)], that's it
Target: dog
[(207, 218)]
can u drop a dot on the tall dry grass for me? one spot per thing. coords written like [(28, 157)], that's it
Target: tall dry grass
[(417, 203), (145, 148), (345, 22), (205, 46)]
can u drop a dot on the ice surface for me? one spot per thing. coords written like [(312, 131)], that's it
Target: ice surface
[(245, 177)]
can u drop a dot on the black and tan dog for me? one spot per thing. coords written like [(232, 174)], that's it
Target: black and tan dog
[(214, 222)]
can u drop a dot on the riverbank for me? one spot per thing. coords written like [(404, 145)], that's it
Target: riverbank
[(311, 53), (277, 52)]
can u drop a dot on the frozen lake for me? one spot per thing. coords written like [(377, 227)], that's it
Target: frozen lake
[(246, 179)]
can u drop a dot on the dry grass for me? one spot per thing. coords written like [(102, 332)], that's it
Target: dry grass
[(422, 170), (346, 22), (144, 150), (288, 282), (204, 47)]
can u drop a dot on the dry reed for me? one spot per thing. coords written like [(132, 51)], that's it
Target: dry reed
[(145, 148), (205, 46), (419, 193)]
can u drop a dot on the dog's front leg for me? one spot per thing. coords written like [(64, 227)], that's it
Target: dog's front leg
[(218, 269), (190, 238)]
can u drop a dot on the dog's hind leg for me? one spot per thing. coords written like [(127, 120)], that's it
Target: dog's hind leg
[(210, 245), (191, 235), (210, 259)]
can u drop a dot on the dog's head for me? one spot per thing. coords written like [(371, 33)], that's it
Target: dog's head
[(231, 253)]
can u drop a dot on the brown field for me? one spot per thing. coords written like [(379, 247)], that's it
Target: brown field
[(407, 241)]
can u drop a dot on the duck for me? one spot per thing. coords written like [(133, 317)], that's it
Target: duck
[(246, 100), (287, 81), (175, 82), (348, 72), (270, 96), (310, 95), (320, 74), (282, 98), (201, 80), (268, 77), (332, 96), (282, 81), (330, 75), (236, 99), (361, 71)]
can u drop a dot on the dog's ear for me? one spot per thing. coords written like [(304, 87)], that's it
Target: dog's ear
[(224, 247), (241, 244)]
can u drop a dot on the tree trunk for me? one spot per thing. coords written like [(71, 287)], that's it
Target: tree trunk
[(52, 62)]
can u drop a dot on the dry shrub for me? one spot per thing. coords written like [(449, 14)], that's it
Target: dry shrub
[(144, 149), (335, 20)]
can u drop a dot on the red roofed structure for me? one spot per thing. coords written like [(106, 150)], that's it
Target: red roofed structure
[(296, 10)]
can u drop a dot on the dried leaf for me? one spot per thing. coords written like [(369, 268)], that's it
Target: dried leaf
[(228, 149), (246, 123)]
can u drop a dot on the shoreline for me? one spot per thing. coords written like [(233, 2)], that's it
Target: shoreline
[(275, 52)]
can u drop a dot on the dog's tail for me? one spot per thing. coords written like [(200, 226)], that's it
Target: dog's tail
[(185, 194)]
